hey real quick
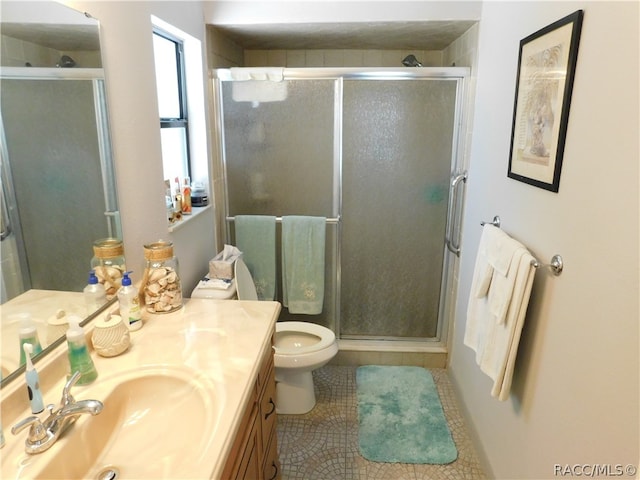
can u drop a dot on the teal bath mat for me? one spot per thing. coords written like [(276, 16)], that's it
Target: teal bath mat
[(400, 416)]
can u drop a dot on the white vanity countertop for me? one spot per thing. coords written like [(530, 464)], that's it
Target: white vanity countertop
[(223, 341)]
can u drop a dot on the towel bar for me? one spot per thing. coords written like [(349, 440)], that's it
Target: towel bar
[(279, 219), (556, 265)]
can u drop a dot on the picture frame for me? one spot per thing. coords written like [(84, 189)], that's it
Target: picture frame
[(544, 83)]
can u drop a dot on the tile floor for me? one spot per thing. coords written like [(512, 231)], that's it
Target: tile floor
[(323, 444)]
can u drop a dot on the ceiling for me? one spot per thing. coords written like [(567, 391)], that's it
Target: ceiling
[(432, 35)]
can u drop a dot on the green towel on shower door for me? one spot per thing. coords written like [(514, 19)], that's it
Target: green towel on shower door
[(303, 240), (256, 239)]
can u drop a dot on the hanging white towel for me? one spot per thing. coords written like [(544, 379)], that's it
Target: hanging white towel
[(496, 344), (483, 271), (502, 253), (303, 244)]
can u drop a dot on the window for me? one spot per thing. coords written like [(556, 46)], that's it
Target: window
[(180, 83), (172, 105)]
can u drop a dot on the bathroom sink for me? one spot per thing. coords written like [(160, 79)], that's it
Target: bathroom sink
[(156, 423)]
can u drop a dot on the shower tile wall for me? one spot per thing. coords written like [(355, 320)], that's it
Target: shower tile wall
[(462, 51), (338, 58), (16, 53), (224, 53)]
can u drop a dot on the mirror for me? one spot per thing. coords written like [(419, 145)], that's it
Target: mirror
[(58, 184)]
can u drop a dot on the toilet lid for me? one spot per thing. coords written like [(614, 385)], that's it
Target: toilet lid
[(244, 282)]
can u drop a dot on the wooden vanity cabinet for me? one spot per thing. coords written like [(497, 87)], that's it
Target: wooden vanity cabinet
[(254, 454)]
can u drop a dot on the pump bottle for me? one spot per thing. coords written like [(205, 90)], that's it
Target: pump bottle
[(94, 293), (79, 357), (129, 304)]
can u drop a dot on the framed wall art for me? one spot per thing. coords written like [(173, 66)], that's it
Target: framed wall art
[(546, 69)]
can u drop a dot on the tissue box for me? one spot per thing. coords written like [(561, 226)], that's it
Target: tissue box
[(219, 268)]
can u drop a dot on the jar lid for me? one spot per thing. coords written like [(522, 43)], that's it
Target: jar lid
[(158, 250), (108, 248)]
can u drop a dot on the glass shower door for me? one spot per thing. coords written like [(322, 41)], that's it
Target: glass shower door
[(279, 160), (398, 139), (62, 184)]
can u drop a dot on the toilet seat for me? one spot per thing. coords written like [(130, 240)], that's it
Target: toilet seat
[(326, 337)]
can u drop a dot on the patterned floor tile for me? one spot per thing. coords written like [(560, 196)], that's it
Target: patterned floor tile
[(323, 444)]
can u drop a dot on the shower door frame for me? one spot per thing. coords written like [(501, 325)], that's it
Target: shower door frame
[(458, 166)]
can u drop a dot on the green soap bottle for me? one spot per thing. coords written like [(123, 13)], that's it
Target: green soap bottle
[(79, 357)]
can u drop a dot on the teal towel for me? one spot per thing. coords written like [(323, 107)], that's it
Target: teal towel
[(303, 241), (256, 239)]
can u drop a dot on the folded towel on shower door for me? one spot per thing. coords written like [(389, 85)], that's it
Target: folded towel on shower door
[(256, 239), (303, 243)]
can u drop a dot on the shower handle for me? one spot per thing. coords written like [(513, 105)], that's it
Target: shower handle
[(456, 181)]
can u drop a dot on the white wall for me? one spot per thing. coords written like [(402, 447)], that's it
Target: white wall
[(127, 48), (575, 393)]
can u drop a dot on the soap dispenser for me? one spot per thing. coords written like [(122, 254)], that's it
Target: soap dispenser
[(95, 295), (79, 357), (129, 303)]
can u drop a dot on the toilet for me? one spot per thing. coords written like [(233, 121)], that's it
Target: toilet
[(299, 348)]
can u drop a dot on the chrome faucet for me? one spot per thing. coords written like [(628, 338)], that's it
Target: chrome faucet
[(42, 435)]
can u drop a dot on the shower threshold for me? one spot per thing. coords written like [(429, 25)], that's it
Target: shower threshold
[(401, 346), (426, 354)]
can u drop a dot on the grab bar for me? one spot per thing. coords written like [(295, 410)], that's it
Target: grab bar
[(454, 247), (5, 224)]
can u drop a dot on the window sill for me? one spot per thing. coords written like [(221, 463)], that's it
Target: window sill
[(187, 218)]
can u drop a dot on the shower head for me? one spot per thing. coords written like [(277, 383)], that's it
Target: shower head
[(411, 61), (66, 62)]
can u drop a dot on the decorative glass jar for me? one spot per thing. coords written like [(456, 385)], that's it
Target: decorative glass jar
[(161, 289), (109, 264)]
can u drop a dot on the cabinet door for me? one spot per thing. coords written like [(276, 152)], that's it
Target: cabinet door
[(271, 466), (244, 452), (249, 468), (268, 408)]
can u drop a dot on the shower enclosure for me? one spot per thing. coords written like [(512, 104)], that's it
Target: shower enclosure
[(374, 151), (58, 184)]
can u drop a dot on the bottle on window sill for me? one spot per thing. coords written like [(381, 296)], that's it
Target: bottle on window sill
[(186, 197)]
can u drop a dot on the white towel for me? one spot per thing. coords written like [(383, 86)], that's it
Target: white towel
[(483, 271), (496, 344), (502, 252), (274, 74)]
